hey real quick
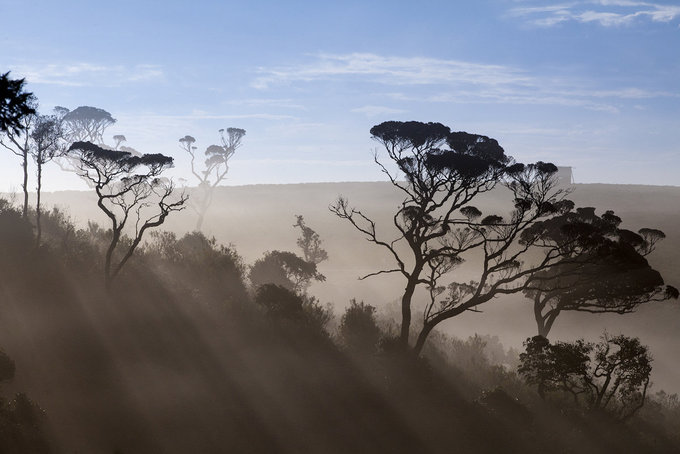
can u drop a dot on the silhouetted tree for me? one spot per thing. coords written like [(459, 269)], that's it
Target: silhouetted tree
[(18, 141), (559, 366), (83, 124), (216, 167), (46, 143), (287, 307), (358, 328), (86, 124), (118, 139), (620, 375), (310, 243), (443, 172), (40, 138), (15, 103), (284, 269), (612, 275), (127, 187), (612, 375)]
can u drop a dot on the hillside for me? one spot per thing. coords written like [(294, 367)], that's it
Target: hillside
[(259, 218)]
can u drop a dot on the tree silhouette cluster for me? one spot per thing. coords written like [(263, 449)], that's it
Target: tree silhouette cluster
[(611, 375), (215, 167), (537, 247), (609, 274)]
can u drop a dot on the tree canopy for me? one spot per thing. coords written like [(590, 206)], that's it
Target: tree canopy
[(439, 174), (608, 274), (86, 123), (15, 103), (611, 375)]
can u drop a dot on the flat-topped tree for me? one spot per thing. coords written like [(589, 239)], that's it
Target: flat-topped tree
[(216, 167), (131, 192), (118, 139), (86, 123), (612, 276), (440, 173)]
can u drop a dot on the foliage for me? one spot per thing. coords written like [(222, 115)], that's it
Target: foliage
[(310, 242), (359, 330), (608, 274), (611, 375), (212, 272), (288, 308), (561, 366), (15, 103), (284, 269), (85, 124), (620, 377)]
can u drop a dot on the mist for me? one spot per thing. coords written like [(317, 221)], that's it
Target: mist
[(339, 228)]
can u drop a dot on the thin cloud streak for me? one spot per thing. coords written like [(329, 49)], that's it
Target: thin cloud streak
[(374, 111), (269, 102), (391, 70), (608, 13), (88, 74), (205, 116), (453, 81)]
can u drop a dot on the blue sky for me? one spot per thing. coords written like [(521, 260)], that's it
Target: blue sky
[(591, 84)]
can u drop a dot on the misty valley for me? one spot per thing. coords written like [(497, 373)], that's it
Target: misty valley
[(465, 303)]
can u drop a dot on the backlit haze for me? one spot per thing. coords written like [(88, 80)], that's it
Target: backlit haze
[(589, 84)]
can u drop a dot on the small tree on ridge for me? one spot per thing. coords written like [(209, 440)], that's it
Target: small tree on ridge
[(130, 192)]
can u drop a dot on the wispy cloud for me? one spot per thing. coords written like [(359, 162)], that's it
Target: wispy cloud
[(375, 111), (88, 74), (607, 13), (391, 70), (268, 102), (201, 115), (452, 81)]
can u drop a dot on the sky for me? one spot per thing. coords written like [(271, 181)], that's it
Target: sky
[(590, 84)]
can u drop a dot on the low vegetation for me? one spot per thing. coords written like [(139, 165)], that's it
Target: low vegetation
[(183, 353)]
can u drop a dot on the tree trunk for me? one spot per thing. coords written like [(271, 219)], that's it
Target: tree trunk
[(199, 221), (24, 186), (108, 278), (406, 310), (37, 208), (422, 337)]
